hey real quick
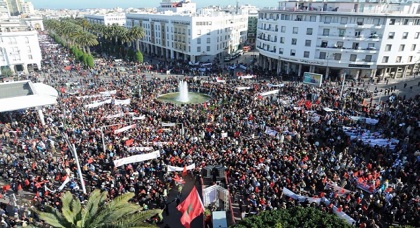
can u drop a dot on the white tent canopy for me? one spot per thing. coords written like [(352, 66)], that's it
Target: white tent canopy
[(25, 94)]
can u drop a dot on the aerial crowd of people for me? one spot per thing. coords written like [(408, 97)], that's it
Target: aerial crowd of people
[(361, 156)]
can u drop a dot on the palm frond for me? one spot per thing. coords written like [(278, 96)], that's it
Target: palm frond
[(66, 209), (51, 219)]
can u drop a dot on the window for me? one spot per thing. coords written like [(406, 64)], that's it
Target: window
[(310, 30), (343, 20), (358, 33), (282, 40), (283, 29), (281, 50), (322, 55), (405, 22), (398, 59), (326, 32), (337, 56), (312, 18), (294, 41), (198, 40), (307, 43), (413, 47), (198, 49), (327, 20), (410, 59), (392, 22), (371, 46), (388, 47), (376, 21), (295, 30), (353, 57), (416, 36), (30, 57), (292, 52), (360, 21), (208, 40), (368, 58), (306, 54), (208, 48), (339, 44), (341, 32), (405, 35), (391, 35), (385, 59), (402, 47)]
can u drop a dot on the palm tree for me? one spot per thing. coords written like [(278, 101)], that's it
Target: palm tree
[(97, 213), (136, 33)]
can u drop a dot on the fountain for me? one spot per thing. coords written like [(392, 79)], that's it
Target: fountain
[(183, 96), (183, 92)]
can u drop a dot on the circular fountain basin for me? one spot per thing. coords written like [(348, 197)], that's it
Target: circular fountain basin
[(194, 98)]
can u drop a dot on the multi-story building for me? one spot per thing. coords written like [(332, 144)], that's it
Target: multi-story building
[(342, 38), (252, 26), (178, 30), (27, 8), (19, 45), (107, 19)]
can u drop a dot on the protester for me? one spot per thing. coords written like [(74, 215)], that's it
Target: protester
[(303, 138)]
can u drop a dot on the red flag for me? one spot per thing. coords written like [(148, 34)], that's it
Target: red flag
[(184, 172), (129, 142), (178, 180), (308, 104), (190, 208)]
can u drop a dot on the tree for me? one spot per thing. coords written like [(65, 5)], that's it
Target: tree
[(293, 217), (136, 33), (97, 213), (139, 57)]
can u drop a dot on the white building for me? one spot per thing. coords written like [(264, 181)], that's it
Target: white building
[(107, 19), (19, 46), (353, 38), (177, 30), (27, 8)]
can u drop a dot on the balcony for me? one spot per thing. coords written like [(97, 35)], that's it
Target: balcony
[(349, 49)]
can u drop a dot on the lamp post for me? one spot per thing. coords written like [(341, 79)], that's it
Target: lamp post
[(72, 148)]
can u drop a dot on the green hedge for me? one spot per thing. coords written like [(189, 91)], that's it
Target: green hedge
[(294, 217)]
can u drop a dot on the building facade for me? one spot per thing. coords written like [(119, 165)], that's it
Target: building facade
[(19, 46), (352, 39), (107, 19), (182, 32)]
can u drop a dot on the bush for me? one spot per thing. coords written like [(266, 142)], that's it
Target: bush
[(139, 57), (293, 217), (90, 62), (85, 58)]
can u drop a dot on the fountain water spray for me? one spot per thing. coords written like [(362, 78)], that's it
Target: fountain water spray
[(183, 92)]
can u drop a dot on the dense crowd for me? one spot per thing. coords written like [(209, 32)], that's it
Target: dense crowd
[(306, 150)]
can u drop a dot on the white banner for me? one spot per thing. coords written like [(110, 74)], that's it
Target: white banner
[(269, 92), (108, 93), (67, 180), (246, 76), (179, 169), (124, 129), (242, 88), (139, 117), (140, 148), (115, 116), (97, 104), (122, 102), (136, 158), (270, 131), (279, 85), (340, 214), (218, 79), (168, 124)]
